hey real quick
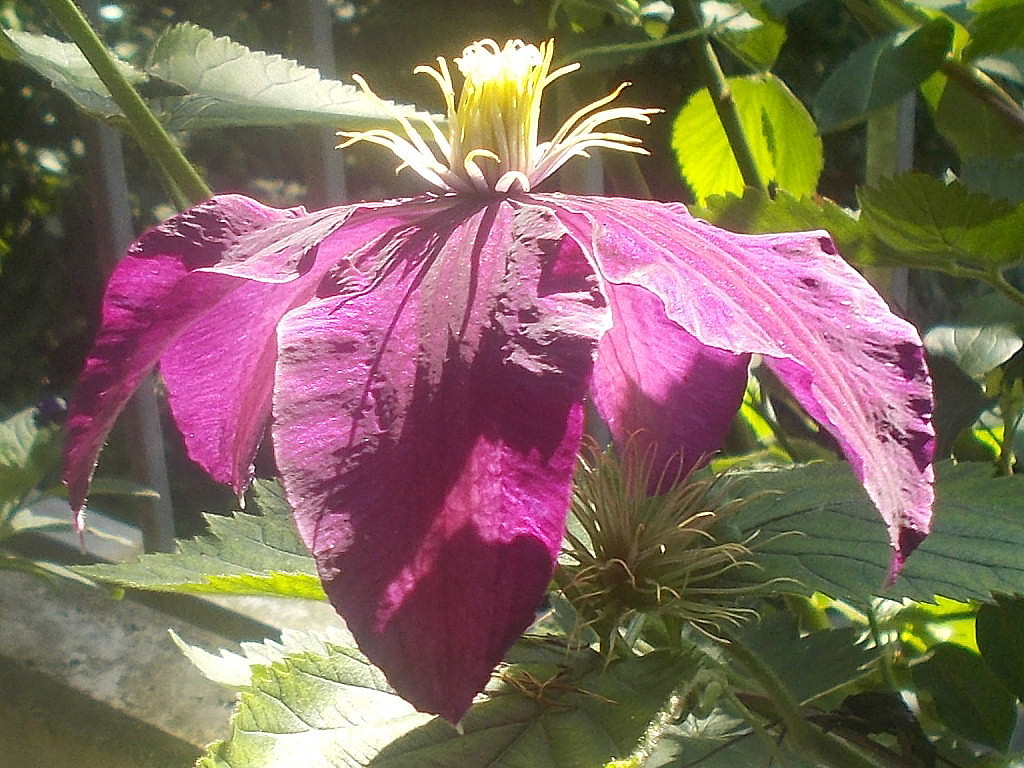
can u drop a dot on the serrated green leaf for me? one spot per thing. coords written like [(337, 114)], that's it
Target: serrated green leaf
[(756, 213), (968, 698), (782, 136), (242, 555), (235, 669), (229, 84), (720, 741), (336, 710), (999, 628), (998, 26), (943, 226), (880, 72), (64, 65), (815, 524), (809, 665)]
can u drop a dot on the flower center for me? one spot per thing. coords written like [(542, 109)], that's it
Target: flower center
[(491, 142)]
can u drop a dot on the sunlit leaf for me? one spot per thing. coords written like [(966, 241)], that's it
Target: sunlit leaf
[(242, 555), (781, 134), (968, 698), (943, 226), (816, 525), (551, 708), (755, 212), (998, 26), (64, 65), (747, 30), (229, 84), (235, 669), (879, 73)]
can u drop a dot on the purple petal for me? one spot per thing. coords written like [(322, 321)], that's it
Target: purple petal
[(426, 432), (220, 372), (821, 327), (153, 295), (657, 385)]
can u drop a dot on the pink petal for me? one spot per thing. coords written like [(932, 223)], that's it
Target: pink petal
[(657, 385), (426, 433), (854, 365), (152, 297), (220, 372)]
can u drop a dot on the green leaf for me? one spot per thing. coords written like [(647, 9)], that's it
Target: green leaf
[(241, 555), (943, 226), (963, 120), (999, 628), (967, 697), (720, 741), (746, 30), (999, 177), (756, 213), (815, 524), (64, 65), (998, 26), (228, 84), (978, 347), (28, 452), (235, 669), (551, 708), (880, 72), (809, 665), (783, 139)]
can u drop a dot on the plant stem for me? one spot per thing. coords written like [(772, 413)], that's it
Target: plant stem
[(721, 97), (812, 742), (147, 130)]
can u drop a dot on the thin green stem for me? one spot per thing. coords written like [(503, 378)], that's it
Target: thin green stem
[(998, 280), (721, 96), (160, 149)]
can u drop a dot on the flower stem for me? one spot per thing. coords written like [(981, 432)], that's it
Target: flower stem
[(721, 97), (160, 149)]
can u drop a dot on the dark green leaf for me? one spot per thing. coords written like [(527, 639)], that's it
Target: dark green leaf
[(816, 525), (64, 65), (781, 134), (998, 26), (943, 226), (228, 84), (337, 710), (967, 123), (880, 72), (242, 555), (999, 177), (811, 665), (967, 697), (999, 629)]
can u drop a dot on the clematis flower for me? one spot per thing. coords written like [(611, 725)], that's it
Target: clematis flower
[(423, 363)]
